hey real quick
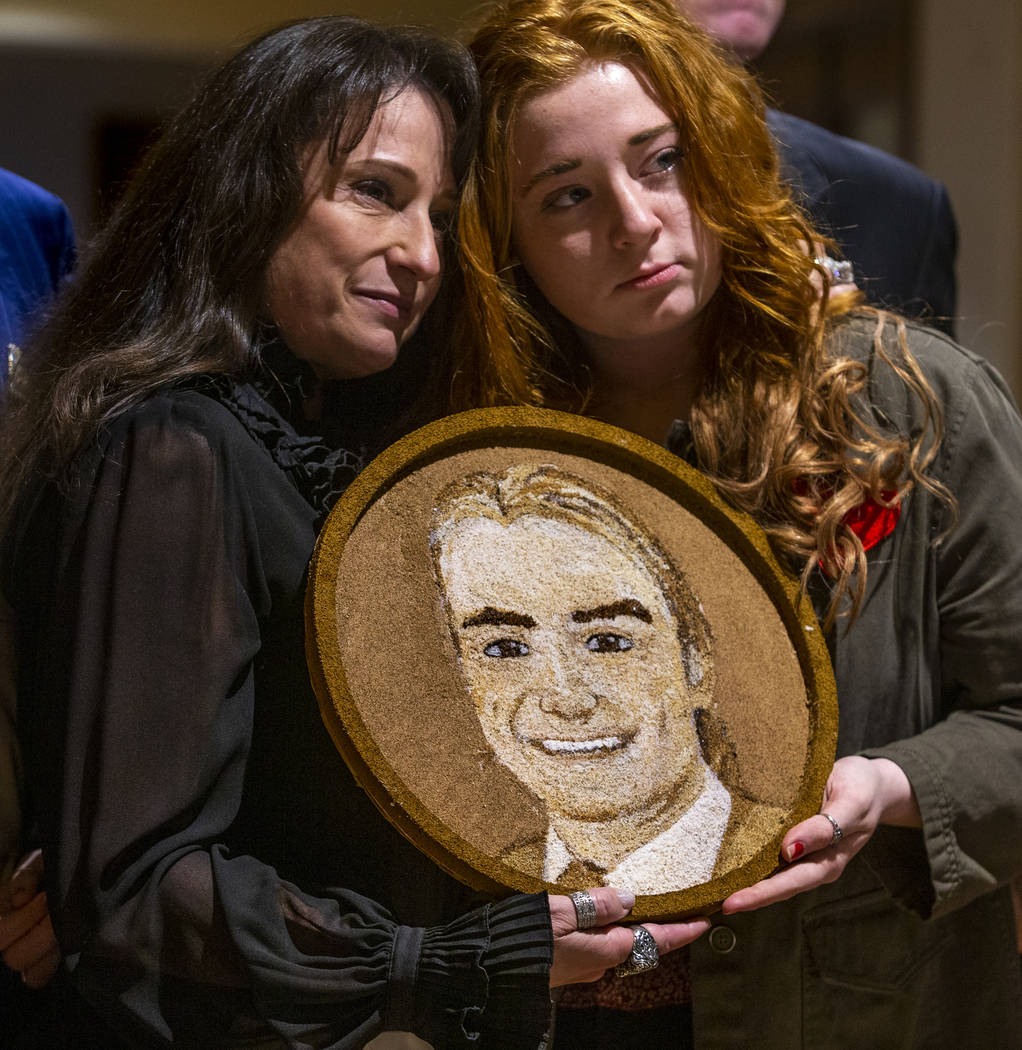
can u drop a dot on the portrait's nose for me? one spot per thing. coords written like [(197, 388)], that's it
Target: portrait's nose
[(560, 696), (634, 221)]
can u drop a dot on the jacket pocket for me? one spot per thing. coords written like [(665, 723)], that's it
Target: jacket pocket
[(864, 978), (868, 942)]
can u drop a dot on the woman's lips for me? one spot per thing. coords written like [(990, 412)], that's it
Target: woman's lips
[(389, 304), (654, 278)]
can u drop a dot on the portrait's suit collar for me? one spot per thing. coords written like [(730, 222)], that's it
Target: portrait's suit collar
[(704, 823)]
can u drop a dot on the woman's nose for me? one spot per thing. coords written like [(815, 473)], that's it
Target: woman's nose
[(416, 248), (635, 220)]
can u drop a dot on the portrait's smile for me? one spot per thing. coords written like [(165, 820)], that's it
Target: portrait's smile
[(589, 747)]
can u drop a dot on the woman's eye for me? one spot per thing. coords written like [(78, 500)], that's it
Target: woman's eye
[(506, 648), (442, 222), (374, 189), (567, 198), (607, 642), (666, 160)]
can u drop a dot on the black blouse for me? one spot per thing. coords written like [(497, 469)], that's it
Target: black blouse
[(215, 874)]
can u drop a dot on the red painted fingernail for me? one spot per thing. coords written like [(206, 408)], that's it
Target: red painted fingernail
[(795, 850)]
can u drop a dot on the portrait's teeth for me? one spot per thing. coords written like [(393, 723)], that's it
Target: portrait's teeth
[(583, 747)]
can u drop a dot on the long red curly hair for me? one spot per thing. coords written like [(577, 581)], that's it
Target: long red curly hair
[(773, 422)]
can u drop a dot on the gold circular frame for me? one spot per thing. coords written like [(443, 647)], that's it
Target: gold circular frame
[(393, 791)]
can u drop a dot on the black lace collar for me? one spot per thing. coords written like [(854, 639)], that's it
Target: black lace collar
[(269, 404)]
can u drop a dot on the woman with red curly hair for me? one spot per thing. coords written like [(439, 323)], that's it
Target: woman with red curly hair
[(630, 252)]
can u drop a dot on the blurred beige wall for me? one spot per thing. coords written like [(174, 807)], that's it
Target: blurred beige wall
[(202, 25), (969, 112)]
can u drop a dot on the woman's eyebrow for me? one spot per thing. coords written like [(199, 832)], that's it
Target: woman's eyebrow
[(652, 133), (374, 160), (498, 618), (560, 168), (622, 607)]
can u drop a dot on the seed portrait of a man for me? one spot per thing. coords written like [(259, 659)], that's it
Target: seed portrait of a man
[(552, 656), (590, 665)]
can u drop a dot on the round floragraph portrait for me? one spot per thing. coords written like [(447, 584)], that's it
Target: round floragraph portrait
[(555, 658)]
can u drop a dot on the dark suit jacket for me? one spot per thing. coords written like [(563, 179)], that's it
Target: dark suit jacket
[(893, 222), (37, 251)]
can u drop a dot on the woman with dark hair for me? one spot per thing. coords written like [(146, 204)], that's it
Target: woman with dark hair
[(170, 448), (630, 253)]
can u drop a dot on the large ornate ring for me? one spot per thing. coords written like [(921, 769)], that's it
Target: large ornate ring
[(840, 271), (838, 833), (585, 909), (644, 956)]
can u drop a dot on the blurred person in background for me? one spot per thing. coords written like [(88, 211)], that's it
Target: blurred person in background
[(37, 251), (890, 220)]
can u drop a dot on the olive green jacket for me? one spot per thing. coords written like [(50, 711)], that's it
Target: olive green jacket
[(913, 946)]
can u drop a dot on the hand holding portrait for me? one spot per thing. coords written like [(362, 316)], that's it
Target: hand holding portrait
[(586, 955), (861, 794), (27, 940)]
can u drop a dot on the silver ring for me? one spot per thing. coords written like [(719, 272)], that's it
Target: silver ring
[(644, 956), (585, 909), (838, 833), (840, 271)]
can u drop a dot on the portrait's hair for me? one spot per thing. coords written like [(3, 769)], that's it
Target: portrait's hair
[(174, 286), (774, 423), (543, 491)]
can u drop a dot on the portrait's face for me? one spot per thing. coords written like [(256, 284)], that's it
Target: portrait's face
[(572, 659), (353, 278), (744, 26), (602, 220)]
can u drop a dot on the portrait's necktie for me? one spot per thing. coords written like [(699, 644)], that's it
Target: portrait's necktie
[(580, 874)]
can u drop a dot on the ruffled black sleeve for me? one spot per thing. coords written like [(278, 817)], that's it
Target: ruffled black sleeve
[(150, 607)]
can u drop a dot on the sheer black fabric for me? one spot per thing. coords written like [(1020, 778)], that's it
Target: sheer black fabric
[(216, 876)]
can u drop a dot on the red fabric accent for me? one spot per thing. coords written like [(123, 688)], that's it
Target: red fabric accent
[(872, 521)]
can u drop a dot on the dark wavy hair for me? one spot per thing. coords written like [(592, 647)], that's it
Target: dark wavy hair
[(174, 285)]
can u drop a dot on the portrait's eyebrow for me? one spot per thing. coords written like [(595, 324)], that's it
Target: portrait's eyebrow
[(624, 607), (645, 136), (499, 618), (560, 168)]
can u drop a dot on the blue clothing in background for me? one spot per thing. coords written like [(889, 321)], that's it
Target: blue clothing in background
[(37, 251)]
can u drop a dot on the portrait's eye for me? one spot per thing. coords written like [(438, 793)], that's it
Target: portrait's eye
[(608, 642), (506, 648), (566, 198)]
